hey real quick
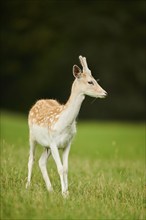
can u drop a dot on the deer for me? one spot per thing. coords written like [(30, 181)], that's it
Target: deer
[(53, 125)]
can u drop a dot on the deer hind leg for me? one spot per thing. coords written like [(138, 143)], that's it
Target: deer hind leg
[(42, 164), (30, 161)]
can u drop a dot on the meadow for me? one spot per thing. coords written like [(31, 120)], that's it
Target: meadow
[(106, 173)]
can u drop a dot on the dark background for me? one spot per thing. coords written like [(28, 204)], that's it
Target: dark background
[(41, 41)]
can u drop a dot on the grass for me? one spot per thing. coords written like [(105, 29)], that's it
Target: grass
[(106, 174)]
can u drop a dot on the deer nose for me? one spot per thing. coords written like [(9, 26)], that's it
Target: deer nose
[(105, 93)]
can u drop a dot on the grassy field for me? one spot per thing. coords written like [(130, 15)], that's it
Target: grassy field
[(106, 174)]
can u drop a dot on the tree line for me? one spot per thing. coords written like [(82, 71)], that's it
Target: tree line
[(41, 41)]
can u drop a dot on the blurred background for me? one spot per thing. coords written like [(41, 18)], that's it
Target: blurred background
[(41, 41)]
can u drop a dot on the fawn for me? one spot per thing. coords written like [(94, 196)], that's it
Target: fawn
[(53, 125)]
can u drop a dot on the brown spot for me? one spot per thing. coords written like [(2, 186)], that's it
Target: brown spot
[(45, 112)]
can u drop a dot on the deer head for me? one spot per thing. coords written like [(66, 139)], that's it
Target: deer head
[(85, 82)]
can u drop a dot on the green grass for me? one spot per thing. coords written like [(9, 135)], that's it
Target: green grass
[(106, 174)]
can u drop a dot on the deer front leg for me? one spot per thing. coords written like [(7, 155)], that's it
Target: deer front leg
[(65, 166), (56, 157)]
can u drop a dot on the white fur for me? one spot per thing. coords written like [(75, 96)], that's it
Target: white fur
[(45, 137)]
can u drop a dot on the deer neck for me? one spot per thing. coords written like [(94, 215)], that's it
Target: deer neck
[(71, 109), (74, 103)]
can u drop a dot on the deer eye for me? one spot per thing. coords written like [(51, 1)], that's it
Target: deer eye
[(91, 82)]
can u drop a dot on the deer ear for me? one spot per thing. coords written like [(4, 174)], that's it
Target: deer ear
[(76, 71)]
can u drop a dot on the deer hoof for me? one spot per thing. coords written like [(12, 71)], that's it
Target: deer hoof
[(65, 194)]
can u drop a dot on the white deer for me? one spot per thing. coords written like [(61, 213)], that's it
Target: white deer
[(53, 125)]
